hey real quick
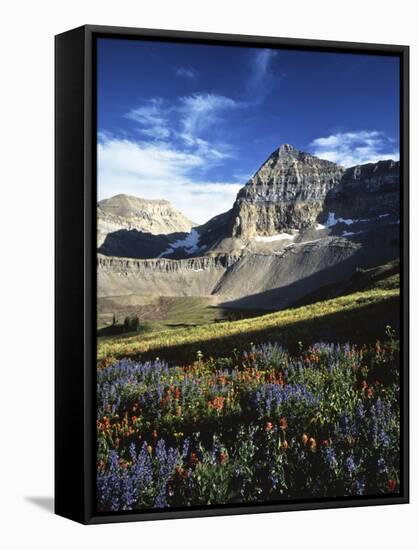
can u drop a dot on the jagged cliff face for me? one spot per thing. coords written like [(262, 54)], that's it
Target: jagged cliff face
[(286, 193), (366, 192), (161, 276), (123, 212), (165, 265)]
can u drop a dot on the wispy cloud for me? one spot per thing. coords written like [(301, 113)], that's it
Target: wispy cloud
[(186, 122), (157, 170), (353, 148), (151, 119), (187, 72), (199, 114), (199, 111), (261, 76), (174, 145)]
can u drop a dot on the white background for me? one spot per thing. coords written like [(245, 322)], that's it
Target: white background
[(26, 272)]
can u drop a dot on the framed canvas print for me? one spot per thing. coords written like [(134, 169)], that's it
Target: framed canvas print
[(231, 274)]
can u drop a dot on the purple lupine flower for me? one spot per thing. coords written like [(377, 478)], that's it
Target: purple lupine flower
[(331, 458), (350, 464), (360, 486), (382, 466)]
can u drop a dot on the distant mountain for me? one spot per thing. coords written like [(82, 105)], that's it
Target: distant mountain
[(128, 213)]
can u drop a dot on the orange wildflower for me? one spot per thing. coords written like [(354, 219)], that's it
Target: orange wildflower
[(180, 472), (217, 403)]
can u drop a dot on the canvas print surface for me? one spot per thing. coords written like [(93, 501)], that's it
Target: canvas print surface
[(248, 247)]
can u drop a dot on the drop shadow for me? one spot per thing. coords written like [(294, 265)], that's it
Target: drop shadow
[(46, 503)]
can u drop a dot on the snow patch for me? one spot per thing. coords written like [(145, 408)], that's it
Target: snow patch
[(332, 220), (272, 238), (350, 233), (189, 243)]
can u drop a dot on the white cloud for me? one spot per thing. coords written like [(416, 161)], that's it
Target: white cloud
[(199, 111), (156, 171), (186, 72), (353, 148)]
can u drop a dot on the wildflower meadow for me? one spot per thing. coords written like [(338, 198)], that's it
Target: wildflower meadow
[(262, 425)]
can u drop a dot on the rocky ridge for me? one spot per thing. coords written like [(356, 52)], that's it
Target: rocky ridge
[(366, 191)]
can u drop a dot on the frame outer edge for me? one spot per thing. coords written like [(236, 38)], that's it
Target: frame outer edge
[(90, 32), (69, 285)]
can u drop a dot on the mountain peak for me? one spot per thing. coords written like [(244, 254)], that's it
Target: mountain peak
[(288, 153), (287, 148), (286, 193)]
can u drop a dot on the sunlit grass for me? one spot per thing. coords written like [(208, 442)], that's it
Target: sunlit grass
[(224, 336)]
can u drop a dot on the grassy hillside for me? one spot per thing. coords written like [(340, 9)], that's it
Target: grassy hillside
[(384, 277), (358, 317)]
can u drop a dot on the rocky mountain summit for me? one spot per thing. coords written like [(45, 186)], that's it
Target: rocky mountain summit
[(287, 192)]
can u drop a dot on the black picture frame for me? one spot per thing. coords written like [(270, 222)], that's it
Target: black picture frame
[(75, 269)]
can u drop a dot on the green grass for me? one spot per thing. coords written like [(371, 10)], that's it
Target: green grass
[(163, 313), (358, 317)]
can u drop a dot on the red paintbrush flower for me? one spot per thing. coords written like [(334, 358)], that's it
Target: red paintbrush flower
[(391, 485)]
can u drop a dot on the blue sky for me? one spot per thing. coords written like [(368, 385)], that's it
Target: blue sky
[(191, 123)]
